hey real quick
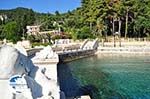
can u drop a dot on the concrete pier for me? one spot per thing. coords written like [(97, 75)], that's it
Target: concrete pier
[(46, 60), (88, 48), (50, 65)]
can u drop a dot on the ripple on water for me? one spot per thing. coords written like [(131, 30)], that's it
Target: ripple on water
[(116, 77)]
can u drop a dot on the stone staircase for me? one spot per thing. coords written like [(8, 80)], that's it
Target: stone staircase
[(90, 44)]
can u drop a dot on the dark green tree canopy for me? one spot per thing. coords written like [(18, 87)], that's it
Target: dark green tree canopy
[(95, 18)]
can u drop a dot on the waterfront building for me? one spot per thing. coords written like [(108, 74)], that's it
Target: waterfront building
[(33, 30)]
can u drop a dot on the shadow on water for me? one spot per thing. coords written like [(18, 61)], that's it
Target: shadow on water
[(70, 85), (83, 80)]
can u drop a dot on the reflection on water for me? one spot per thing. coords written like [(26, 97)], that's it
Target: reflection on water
[(111, 76)]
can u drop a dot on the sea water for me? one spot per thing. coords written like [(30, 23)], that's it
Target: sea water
[(111, 76)]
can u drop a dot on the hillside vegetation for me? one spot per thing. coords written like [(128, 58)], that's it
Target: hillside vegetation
[(95, 18)]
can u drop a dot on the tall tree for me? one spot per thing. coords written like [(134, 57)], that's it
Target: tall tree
[(11, 32)]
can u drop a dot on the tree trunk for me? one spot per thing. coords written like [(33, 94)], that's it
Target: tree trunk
[(119, 31), (90, 26), (144, 32), (23, 33), (100, 32), (113, 27), (105, 36), (126, 27), (114, 33)]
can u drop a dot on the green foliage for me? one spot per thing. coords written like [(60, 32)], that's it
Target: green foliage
[(84, 33), (137, 13), (11, 32), (20, 18), (60, 36), (94, 18), (40, 44), (56, 37), (73, 33), (35, 38)]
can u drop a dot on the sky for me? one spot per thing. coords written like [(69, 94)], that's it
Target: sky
[(42, 5)]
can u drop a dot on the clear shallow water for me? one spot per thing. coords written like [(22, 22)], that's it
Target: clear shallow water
[(114, 76)]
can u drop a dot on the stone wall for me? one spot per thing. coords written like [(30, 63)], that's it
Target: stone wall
[(70, 56)]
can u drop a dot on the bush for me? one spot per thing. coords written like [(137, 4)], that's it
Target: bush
[(39, 44), (84, 33), (11, 32), (33, 38)]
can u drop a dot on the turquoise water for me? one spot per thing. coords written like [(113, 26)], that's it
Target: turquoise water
[(114, 76)]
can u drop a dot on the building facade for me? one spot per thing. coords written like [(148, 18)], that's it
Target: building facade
[(33, 30)]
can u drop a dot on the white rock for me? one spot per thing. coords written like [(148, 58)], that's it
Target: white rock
[(14, 62), (46, 53)]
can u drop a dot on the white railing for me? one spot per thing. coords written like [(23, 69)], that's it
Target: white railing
[(124, 49), (91, 45)]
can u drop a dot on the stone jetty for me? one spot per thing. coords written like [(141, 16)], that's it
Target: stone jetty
[(24, 77)]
